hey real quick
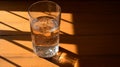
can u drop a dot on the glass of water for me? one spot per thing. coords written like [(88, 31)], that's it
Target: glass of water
[(45, 24)]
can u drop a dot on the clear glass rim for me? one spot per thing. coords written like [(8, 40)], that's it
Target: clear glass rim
[(42, 2)]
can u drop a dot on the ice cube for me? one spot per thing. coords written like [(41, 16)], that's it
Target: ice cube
[(44, 24)]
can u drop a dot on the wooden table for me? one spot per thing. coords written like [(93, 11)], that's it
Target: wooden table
[(90, 35)]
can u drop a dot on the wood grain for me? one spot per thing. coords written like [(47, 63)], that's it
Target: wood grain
[(89, 29)]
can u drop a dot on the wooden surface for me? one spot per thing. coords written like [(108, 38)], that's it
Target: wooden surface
[(90, 33)]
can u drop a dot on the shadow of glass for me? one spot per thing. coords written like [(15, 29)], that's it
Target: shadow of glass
[(63, 58)]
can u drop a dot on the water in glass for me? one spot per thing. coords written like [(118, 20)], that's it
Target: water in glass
[(45, 36)]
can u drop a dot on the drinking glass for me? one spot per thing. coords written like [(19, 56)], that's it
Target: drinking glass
[(45, 24)]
